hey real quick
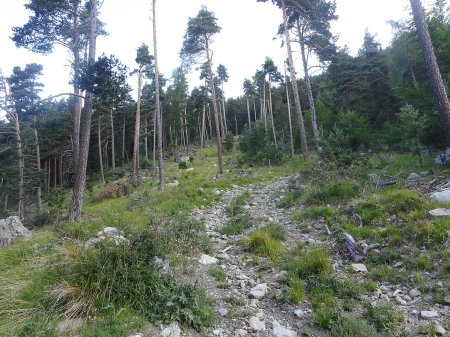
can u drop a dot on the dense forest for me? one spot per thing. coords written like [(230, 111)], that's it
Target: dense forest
[(326, 108)]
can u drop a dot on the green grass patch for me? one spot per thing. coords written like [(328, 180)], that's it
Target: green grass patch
[(218, 274), (314, 212), (313, 262), (351, 327), (235, 301), (266, 241), (237, 224), (235, 206), (331, 193), (384, 317), (388, 274)]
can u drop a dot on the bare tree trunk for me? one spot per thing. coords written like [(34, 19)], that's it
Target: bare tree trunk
[(100, 155), (290, 119), (157, 103), (85, 129), (264, 109), (202, 141), (21, 164), (312, 106), (434, 75), (271, 114), (145, 138), (113, 148), (298, 108), (55, 171), (224, 112), (123, 139), (254, 108), (209, 122), (216, 111), (38, 167), (235, 122), (137, 127), (76, 114), (61, 171), (248, 113), (154, 138)]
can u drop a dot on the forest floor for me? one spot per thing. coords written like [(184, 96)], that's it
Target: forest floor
[(269, 255)]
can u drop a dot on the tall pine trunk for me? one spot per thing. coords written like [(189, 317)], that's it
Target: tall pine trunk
[(137, 127), (290, 119), (113, 148), (312, 106), (271, 113), (158, 105), (21, 165), (85, 129), (298, 107), (216, 110), (100, 155), (248, 113), (434, 75), (38, 167)]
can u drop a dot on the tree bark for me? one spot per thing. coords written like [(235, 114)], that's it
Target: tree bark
[(248, 113), (21, 165), (100, 155), (271, 114), (202, 140), (38, 167), (113, 148), (216, 111), (85, 130), (290, 119), (298, 108), (312, 106), (137, 127), (76, 114), (434, 75), (158, 105)]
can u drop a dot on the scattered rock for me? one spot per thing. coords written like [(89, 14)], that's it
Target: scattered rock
[(372, 177), (443, 159), (183, 158), (429, 314), (440, 331), (12, 228), (190, 169), (414, 293), (206, 259), (280, 331), (256, 324), (69, 325), (215, 192), (111, 234), (259, 291), (447, 299), (443, 196), (136, 335), (299, 313), (439, 213), (413, 176), (223, 312), (173, 330), (241, 333), (174, 183), (359, 267)]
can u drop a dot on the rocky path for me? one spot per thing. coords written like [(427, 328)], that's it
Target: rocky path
[(246, 301)]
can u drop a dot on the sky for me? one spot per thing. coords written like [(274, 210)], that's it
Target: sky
[(246, 39)]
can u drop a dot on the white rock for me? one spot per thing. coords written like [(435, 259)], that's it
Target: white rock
[(69, 325), (259, 291), (413, 176), (280, 331), (439, 213), (299, 313), (414, 293), (429, 314), (12, 228), (242, 277), (136, 335), (440, 331), (443, 196), (400, 300), (174, 183), (173, 330), (447, 299), (241, 333), (256, 324), (359, 267), (206, 259), (223, 256), (223, 312)]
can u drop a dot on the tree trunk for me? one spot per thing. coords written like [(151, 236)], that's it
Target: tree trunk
[(434, 75), (145, 138), (85, 130), (216, 111), (224, 113), (298, 108), (55, 171), (312, 106), (248, 113), (157, 103), (123, 140), (264, 109), (202, 140), (254, 108), (76, 114), (21, 165), (38, 167), (290, 119), (154, 138), (113, 148), (137, 127), (235, 123), (100, 155), (271, 113)]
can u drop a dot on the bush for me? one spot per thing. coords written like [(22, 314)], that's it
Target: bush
[(237, 224), (315, 261), (229, 141), (182, 165), (266, 241), (113, 191), (332, 193), (146, 164), (383, 317), (350, 327)]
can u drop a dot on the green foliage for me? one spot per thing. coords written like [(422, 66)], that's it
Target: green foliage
[(235, 206), (235, 301), (314, 261), (113, 190), (332, 192), (229, 141), (388, 274), (182, 165), (256, 145), (384, 317), (146, 164), (237, 224), (266, 241), (126, 275), (351, 327), (314, 212), (218, 274)]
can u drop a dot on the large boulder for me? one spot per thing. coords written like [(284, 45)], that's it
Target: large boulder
[(12, 228), (443, 196), (443, 159)]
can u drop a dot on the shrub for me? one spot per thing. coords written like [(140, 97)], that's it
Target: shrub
[(182, 165), (350, 327), (113, 191), (146, 164), (237, 224), (229, 141), (314, 212), (315, 261), (235, 205), (218, 274)]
